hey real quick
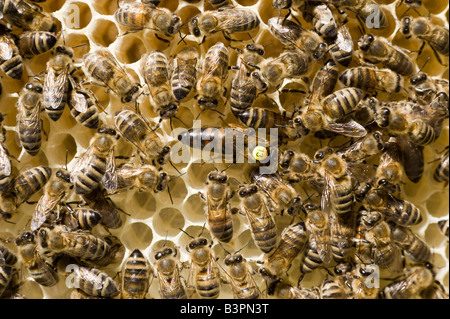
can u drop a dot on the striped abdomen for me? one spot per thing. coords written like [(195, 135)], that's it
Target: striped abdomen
[(30, 137), (130, 125), (312, 260), (364, 78), (216, 4), (324, 22), (6, 272), (42, 273), (263, 228), (86, 218), (89, 118), (94, 282), (342, 102), (110, 216), (262, 118), (220, 222), (36, 42), (244, 19), (184, 76), (29, 182), (242, 93), (403, 213), (136, 274), (89, 177), (332, 289), (342, 232), (439, 39), (13, 67), (207, 284), (342, 197), (422, 133), (9, 257), (134, 15), (54, 112), (85, 246)]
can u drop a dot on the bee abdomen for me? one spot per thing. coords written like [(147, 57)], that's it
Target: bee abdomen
[(341, 103), (207, 285), (86, 218), (95, 283), (89, 118), (13, 67), (181, 89), (88, 180), (331, 290), (31, 139), (405, 215), (311, 261), (421, 133), (6, 272), (222, 229), (265, 238), (30, 181), (36, 42), (241, 97)]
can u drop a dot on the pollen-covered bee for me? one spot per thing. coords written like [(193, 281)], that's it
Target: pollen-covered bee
[(102, 67), (294, 36), (293, 240), (140, 16), (29, 122), (54, 191), (227, 20), (32, 43), (414, 246), (27, 16), (262, 225), (167, 269), (96, 161), (136, 272), (422, 28), (240, 276), (184, 74), (11, 61), (94, 282), (369, 78), (155, 69), (380, 50), (137, 131), (215, 72), (217, 196)]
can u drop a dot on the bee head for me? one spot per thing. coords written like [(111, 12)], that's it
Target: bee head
[(131, 95), (169, 111), (60, 49), (285, 159), (253, 48), (34, 86), (193, 27), (248, 190), (406, 25), (163, 181), (220, 177), (63, 175), (365, 42), (164, 252), (208, 104), (418, 78), (233, 259), (320, 51), (25, 238), (175, 25)]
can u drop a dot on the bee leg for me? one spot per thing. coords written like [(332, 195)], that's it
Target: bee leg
[(292, 91), (202, 196), (300, 280), (162, 39), (437, 56), (129, 31), (31, 203)]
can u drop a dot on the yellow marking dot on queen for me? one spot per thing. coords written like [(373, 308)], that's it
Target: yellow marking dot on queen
[(259, 153)]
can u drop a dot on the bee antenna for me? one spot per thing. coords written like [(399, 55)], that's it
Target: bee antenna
[(175, 177), (187, 21), (404, 13), (67, 155), (227, 168), (212, 161), (203, 228), (170, 162), (185, 232), (242, 247), (176, 117), (182, 38), (170, 195), (224, 248), (165, 238), (79, 45), (424, 64)]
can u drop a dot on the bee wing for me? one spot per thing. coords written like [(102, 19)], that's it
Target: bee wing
[(5, 163), (83, 162), (263, 220), (350, 128), (210, 68), (54, 88), (6, 48), (43, 209), (78, 101), (108, 55), (412, 158), (109, 179), (287, 35), (33, 121), (328, 188)]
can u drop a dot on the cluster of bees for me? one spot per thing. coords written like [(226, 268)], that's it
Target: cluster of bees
[(352, 212)]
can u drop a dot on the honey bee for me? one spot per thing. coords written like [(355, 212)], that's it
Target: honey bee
[(184, 75), (324, 81), (424, 89), (56, 83), (369, 78), (32, 43), (423, 29), (203, 270), (83, 105), (155, 69), (226, 20), (272, 71), (5, 170), (435, 291), (243, 91), (94, 283), (334, 288), (357, 280), (29, 124), (341, 50), (28, 182), (136, 272), (29, 256), (440, 174), (101, 66), (262, 225), (81, 218), (11, 61), (96, 161), (379, 50), (342, 232), (240, 275), (294, 36), (83, 245), (293, 240), (215, 72), (167, 270), (27, 16), (416, 279), (54, 191), (286, 291), (389, 173), (282, 195), (368, 146), (296, 166), (146, 177), (8, 256), (135, 129), (217, 195), (443, 226), (322, 19), (252, 55), (139, 16), (416, 249), (110, 216), (6, 273), (367, 11)]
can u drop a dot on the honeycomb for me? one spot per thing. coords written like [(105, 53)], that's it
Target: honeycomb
[(151, 220)]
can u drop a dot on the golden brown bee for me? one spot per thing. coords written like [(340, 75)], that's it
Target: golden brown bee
[(262, 225), (184, 74), (80, 218), (293, 241), (204, 272), (56, 83), (443, 226), (83, 105), (296, 166), (96, 161), (215, 72), (136, 272), (54, 191), (5, 169), (167, 269), (341, 49), (357, 280), (322, 19), (379, 50), (32, 43), (110, 216), (27, 16), (29, 122), (414, 246), (416, 279), (441, 172), (29, 256), (242, 92), (252, 55), (370, 145), (94, 283), (102, 67), (435, 291), (139, 16), (74, 243), (28, 182), (10, 59), (294, 36), (334, 288), (155, 69), (389, 173), (282, 196), (217, 196), (365, 10), (286, 291), (227, 20), (370, 78), (240, 276), (423, 29), (425, 89), (145, 177), (324, 81), (137, 131), (6, 273), (8, 256)]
